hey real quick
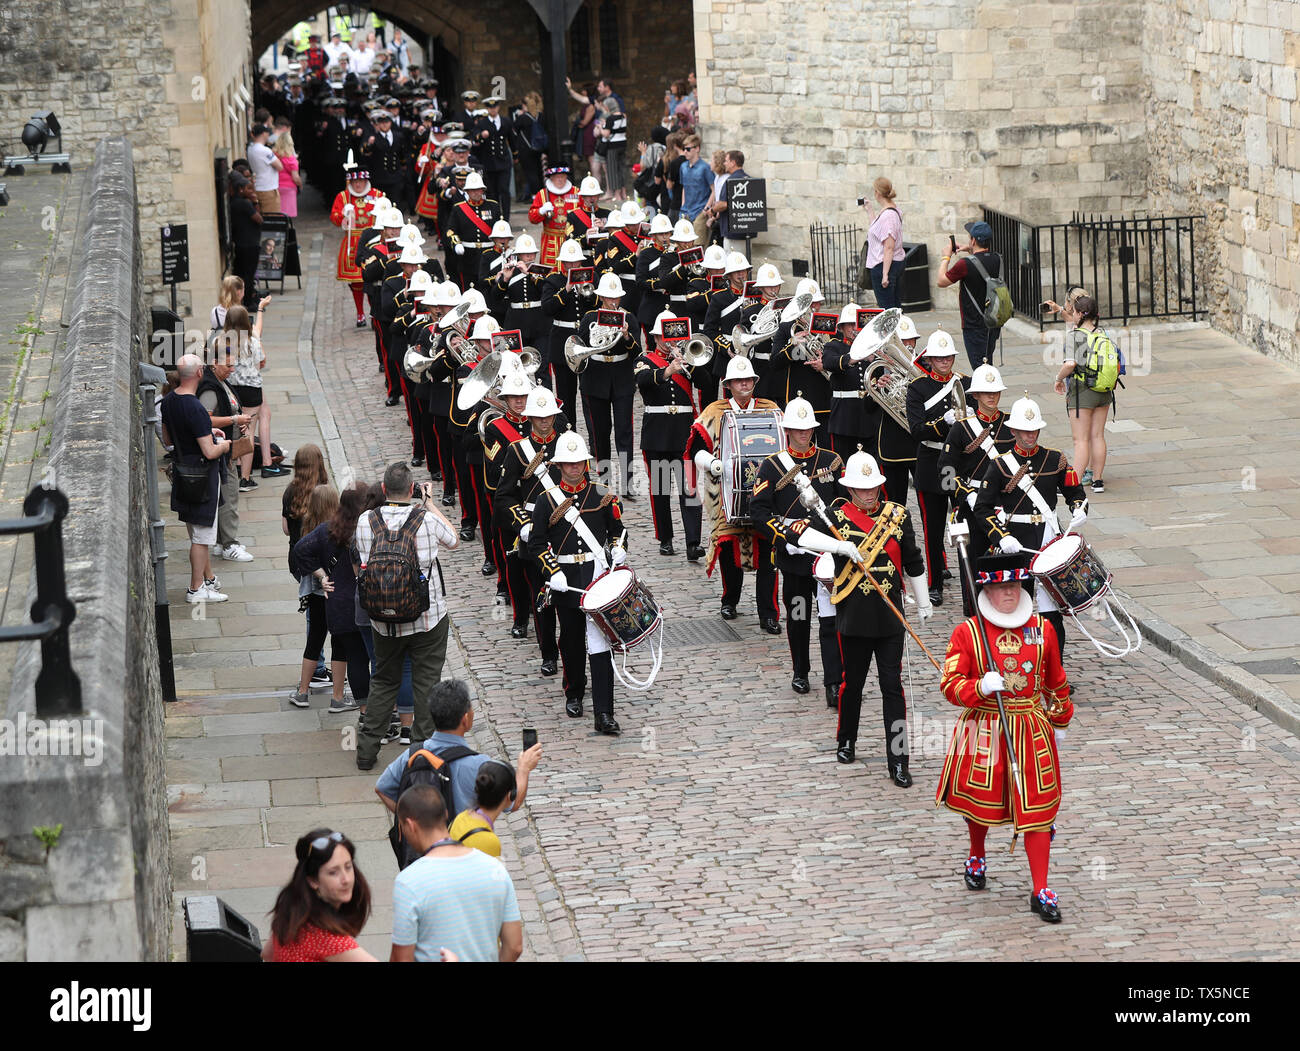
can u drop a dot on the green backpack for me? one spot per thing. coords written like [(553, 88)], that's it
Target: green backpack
[(997, 307), (1102, 369)]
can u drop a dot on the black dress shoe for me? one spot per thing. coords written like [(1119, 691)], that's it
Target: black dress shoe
[(770, 625), (448, 499), (844, 753), (362, 323), (548, 667), (1047, 910), (947, 574), (729, 613), (488, 567), (800, 684), (694, 552), (519, 631), (833, 696), (605, 724), (467, 532), (899, 775), (417, 461), (666, 548), (573, 707), (391, 401), (974, 874), (435, 476), (936, 596)]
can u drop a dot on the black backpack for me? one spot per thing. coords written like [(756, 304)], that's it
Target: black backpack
[(424, 767)]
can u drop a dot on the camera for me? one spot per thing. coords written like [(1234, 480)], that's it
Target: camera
[(861, 201)]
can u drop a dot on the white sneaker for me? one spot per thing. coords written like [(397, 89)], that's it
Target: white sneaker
[(236, 553), (206, 593)]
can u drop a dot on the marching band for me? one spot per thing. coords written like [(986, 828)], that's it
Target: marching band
[(799, 472)]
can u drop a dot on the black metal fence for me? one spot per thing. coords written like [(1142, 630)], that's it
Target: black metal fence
[(835, 260), (58, 690), (1140, 267)]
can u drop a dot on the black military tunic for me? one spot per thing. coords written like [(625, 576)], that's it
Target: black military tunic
[(725, 312), (463, 230), (617, 255), (855, 416), (790, 376), (1050, 473), (652, 266), (929, 399), (563, 306)]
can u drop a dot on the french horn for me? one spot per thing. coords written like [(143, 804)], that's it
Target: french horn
[(766, 321), (603, 339)]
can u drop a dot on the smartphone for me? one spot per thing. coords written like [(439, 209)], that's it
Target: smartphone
[(530, 737), (861, 201), (952, 242), (1044, 307)]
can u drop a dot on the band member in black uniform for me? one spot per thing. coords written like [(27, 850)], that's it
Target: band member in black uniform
[(855, 417), (724, 314), (768, 283), (617, 255), (563, 304), (564, 550), (469, 228), (481, 336), (457, 360), (608, 386), (371, 243), (652, 264), (1017, 500), (437, 382), (666, 385), (588, 216), (523, 290), (518, 489), (896, 448), (491, 137), (498, 435), (387, 153), (970, 444), (877, 539), (689, 289), (491, 266), (774, 507), (409, 317), (934, 401), (797, 366), (398, 270)]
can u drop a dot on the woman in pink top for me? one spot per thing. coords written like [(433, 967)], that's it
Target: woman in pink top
[(885, 242), (318, 916), (290, 177)]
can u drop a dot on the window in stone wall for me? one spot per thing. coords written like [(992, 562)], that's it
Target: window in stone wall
[(611, 58), (580, 41)]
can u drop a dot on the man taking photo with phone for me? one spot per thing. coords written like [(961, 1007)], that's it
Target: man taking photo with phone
[(980, 340)]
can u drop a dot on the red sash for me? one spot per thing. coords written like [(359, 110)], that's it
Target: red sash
[(625, 241), (473, 217), (507, 429), (660, 362), (582, 217), (892, 549)]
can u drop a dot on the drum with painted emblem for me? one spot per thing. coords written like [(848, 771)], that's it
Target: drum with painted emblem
[(622, 608), (748, 438)]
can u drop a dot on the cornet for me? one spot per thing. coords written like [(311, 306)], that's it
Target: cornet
[(696, 353)]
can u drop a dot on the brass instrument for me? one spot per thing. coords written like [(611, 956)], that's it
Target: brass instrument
[(603, 339), (887, 378), (743, 340), (695, 353), (530, 361), (456, 319), (416, 365), (465, 351)]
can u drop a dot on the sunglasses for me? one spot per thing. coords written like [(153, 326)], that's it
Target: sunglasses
[(321, 842)]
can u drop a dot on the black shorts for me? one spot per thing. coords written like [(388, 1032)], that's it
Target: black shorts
[(249, 397)]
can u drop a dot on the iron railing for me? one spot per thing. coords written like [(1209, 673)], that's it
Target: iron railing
[(1141, 267), (836, 251), (58, 690)]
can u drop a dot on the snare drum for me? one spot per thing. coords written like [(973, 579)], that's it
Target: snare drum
[(622, 607), (1071, 572), (748, 438)]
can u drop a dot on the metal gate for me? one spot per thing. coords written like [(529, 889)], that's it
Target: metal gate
[(835, 260)]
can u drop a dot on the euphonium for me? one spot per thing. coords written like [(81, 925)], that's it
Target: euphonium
[(530, 360), (416, 365), (603, 338)]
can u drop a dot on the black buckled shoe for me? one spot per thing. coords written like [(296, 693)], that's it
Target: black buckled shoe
[(936, 596), (974, 875), (519, 631), (770, 625), (488, 567), (833, 695), (467, 532), (417, 461), (844, 753), (694, 552), (1044, 904), (549, 668), (800, 684), (666, 548), (392, 400), (729, 613), (605, 724), (573, 707), (899, 775)]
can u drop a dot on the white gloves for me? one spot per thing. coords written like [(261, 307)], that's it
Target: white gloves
[(558, 582), (992, 683), (815, 540), (546, 209), (617, 556), (1009, 545), (421, 161), (847, 549), (460, 249), (349, 211), (950, 417), (1077, 519), (921, 595), (1060, 736), (970, 499), (526, 532)]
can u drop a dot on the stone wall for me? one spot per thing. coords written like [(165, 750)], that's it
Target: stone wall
[(103, 891), (1224, 140), (960, 104)]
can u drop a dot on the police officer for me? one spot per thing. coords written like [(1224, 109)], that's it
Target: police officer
[(571, 523), (775, 508)]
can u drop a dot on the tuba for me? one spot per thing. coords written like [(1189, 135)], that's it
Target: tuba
[(743, 341), (887, 378), (603, 339)]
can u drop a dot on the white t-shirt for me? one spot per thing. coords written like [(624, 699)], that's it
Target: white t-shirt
[(265, 177), (362, 59)]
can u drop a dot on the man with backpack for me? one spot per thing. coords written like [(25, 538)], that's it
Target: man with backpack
[(400, 588), (984, 299), (445, 760)]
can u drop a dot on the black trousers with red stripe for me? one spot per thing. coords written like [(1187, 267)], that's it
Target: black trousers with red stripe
[(832, 665), (896, 480), (446, 456), (392, 369), (543, 622), (464, 478), (560, 378), (733, 577), (856, 652), (934, 516), (799, 596), (573, 652), (483, 502), (663, 467), (600, 413)]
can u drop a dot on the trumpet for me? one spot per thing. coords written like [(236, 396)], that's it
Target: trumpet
[(696, 353)]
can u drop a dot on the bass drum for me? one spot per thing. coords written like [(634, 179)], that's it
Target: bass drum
[(748, 438)]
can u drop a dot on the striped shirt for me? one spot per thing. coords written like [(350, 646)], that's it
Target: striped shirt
[(617, 124), (456, 903), (432, 532)]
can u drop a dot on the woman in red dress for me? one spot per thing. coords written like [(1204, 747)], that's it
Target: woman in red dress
[(352, 210), (318, 916)]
